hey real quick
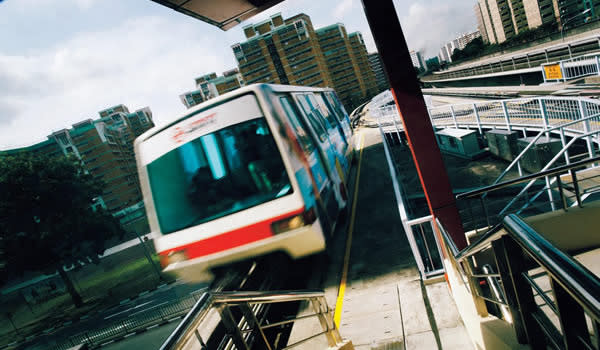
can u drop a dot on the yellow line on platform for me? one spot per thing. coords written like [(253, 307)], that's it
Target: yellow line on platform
[(340, 298)]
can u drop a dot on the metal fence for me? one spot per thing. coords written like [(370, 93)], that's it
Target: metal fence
[(243, 316), (531, 60), (118, 329), (535, 113), (572, 68)]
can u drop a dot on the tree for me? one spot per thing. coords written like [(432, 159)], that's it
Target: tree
[(46, 216)]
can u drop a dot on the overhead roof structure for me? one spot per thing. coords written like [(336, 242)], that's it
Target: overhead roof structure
[(224, 14)]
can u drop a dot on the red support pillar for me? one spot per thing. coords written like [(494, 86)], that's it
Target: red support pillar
[(389, 38)]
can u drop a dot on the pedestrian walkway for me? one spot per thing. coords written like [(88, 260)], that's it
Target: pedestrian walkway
[(373, 281)]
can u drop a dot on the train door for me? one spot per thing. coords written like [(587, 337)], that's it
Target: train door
[(314, 162), (334, 103), (336, 132), (320, 127)]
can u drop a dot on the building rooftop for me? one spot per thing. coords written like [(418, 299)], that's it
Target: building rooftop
[(455, 132)]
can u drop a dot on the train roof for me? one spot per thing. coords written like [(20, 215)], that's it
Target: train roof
[(224, 98)]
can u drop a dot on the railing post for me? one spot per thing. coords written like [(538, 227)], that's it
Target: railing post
[(546, 52), (232, 328), (513, 62), (476, 113), (544, 113), (474, 286), (571, 317), (550, 195), (562, 71), (597, 65), (586, 127), (570, 52), (453, 117), (506, 118), (254, 323), (544, 75), (396, 125), (564, 143), (509, 290), (331, 341), (563, 199), (576, 188), (524, 294), (528, 62)]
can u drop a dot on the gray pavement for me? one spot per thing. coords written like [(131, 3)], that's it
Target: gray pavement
[(385, 305)]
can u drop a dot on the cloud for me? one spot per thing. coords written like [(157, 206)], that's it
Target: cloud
[(429, 24), (137, 63), (342, 9)]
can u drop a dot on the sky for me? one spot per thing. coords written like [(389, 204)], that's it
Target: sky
[(62, 61)]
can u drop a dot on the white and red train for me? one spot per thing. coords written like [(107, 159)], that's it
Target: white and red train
[(259, 170)]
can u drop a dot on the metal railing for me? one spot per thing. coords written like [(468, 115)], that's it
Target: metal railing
[(573, 298), (572, 68), (242, 314), (511, 284), (561, 195), (119, 328), (529, 60), (558, 116)]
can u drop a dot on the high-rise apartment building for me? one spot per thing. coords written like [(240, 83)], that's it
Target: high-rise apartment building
[(211, 85), (480, 22), (359, 50), (380, 76), (342, 66), (292, 52), (105, 147), (500, 20), (417, 60), (282, 52)]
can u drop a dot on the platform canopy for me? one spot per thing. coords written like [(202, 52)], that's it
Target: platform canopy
[(224, 14)]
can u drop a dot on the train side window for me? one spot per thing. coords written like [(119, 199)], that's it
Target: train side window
[(312, 119), (303, 138), (327, 112), (335, 103)]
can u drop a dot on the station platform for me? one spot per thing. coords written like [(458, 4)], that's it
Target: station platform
[(372, 279)]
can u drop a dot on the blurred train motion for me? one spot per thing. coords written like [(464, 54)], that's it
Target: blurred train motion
[(256, 171)]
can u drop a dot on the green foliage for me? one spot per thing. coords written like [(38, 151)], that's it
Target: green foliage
[(46, 218), (433, 64)]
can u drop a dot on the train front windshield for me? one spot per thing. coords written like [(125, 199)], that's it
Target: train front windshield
[(217, 174)]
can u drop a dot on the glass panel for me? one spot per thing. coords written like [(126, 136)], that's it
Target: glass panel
[(317, 126), (318, 101), (335, 104), (305, 141), (217, 174)]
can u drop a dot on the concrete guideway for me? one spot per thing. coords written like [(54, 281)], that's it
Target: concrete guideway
[(573, 40), (382, 302)]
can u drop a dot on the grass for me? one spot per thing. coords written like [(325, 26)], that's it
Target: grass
[(116, 278)]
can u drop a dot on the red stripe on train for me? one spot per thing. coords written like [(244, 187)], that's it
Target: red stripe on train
[(231, 239)]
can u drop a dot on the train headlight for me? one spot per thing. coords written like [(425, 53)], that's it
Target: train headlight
[(294, 222)]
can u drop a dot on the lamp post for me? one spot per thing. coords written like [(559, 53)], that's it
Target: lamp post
[(562, 38)]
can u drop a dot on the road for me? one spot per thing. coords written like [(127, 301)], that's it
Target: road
[(151, 339), (147, 305)]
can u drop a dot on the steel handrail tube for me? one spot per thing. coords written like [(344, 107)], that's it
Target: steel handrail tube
[(581, 284), (191, 321), (549, 172), (256, 297), (537, 137), (207, 301)]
